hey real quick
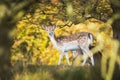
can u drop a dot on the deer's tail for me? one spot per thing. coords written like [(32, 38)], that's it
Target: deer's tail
[(90, 38)]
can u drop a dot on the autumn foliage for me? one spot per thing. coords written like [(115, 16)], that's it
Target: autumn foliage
[(32, 45)]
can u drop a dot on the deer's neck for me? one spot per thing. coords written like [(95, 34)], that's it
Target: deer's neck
[(54, 41)]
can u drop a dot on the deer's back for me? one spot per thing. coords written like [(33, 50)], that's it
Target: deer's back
[(73, 37)]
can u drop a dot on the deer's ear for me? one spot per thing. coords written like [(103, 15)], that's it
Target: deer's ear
[(54, 26), (44, 27)]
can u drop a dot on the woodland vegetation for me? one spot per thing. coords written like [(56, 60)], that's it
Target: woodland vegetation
[(26, 52)]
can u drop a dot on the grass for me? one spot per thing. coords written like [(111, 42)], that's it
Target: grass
[(58, 73), (62, 72)]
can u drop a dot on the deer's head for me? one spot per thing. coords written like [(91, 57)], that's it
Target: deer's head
[(49, 29)]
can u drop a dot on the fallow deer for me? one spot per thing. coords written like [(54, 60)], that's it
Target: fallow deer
[(80, 41)]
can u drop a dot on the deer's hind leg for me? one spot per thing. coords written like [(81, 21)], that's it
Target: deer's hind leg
[(84, 58), (87, 53)]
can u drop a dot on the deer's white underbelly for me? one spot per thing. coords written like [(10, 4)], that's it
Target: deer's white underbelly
[(71, 46)]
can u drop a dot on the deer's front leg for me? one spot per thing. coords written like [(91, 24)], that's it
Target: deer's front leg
[(60, 58), (67, 58), (91, 57)]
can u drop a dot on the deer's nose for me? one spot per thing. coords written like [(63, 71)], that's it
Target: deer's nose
[(50, 34)]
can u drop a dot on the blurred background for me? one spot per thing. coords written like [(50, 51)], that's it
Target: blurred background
[(26, 51)]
